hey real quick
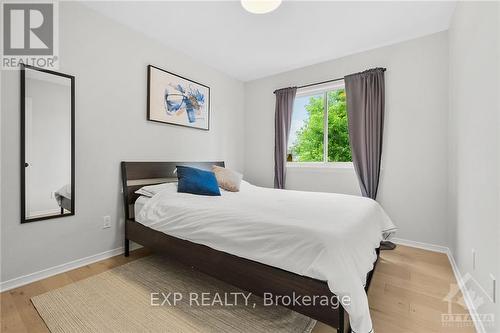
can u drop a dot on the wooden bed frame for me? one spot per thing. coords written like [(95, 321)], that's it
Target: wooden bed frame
[(245, 274)]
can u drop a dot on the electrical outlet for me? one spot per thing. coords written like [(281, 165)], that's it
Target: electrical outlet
[(106, 222), (473, 259), (493, 288)]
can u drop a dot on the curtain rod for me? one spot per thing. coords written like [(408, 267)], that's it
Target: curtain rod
[(318, 83), (322, 82)]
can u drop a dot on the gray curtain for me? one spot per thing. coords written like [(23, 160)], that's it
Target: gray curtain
[(365, 111), (282, 123)]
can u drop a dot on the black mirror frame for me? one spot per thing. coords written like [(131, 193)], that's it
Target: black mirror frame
[(23, 67)]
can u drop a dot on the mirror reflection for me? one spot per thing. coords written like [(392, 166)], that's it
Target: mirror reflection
[(48, 144)]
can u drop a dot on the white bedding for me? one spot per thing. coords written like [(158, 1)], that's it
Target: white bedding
[(326, 236), (140, 202)]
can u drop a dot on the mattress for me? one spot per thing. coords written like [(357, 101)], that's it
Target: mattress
[(326, 236)]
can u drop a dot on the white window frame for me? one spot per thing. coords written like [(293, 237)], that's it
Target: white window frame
[(316, 90)]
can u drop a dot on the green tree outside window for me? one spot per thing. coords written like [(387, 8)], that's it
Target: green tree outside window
[(308, 146)]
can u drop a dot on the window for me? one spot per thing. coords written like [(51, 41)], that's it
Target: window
[(319, 131)]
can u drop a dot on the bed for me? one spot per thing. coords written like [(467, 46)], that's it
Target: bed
[(63, 198), (258, 240)]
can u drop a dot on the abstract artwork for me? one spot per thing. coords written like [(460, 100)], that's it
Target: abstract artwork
[(176, 100)]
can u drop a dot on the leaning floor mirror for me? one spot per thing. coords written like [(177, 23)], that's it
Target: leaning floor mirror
[(47, 144)]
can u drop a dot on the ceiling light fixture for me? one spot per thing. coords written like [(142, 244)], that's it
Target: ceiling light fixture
[(260, 6)]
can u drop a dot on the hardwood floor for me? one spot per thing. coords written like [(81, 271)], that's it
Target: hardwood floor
[(406, 295)]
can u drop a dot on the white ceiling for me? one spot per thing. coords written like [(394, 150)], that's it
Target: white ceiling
[(299, 33)]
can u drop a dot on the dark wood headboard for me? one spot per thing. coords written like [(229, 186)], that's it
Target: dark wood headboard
[(138, 174)]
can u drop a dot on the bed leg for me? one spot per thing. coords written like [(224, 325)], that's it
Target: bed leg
[(127, 248), (344, 326), (340, 329)]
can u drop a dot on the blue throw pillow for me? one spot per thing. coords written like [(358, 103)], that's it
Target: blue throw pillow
[(197, 181)]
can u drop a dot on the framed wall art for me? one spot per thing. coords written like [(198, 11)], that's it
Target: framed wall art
[(173, 99)]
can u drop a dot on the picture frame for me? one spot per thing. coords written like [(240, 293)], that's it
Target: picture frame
[(177, 100)]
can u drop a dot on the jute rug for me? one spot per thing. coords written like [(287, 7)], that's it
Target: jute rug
[(135, 298)]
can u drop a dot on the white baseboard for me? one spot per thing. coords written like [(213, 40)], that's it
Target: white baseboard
[(458, 276), (478, 324), (39, 213), (45, 273), (420, 245)]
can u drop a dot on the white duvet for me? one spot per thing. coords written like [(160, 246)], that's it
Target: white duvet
[(326, 236)]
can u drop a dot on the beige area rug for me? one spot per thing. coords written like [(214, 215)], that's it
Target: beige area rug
[(119, 300)]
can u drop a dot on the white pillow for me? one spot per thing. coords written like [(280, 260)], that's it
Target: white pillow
[(227, 179), (151, 190)]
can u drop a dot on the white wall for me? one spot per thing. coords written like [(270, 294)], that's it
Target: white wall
[(474, 144), (109, 62), (413, 181)]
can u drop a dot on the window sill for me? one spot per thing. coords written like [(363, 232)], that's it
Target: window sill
[(320, 165)]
